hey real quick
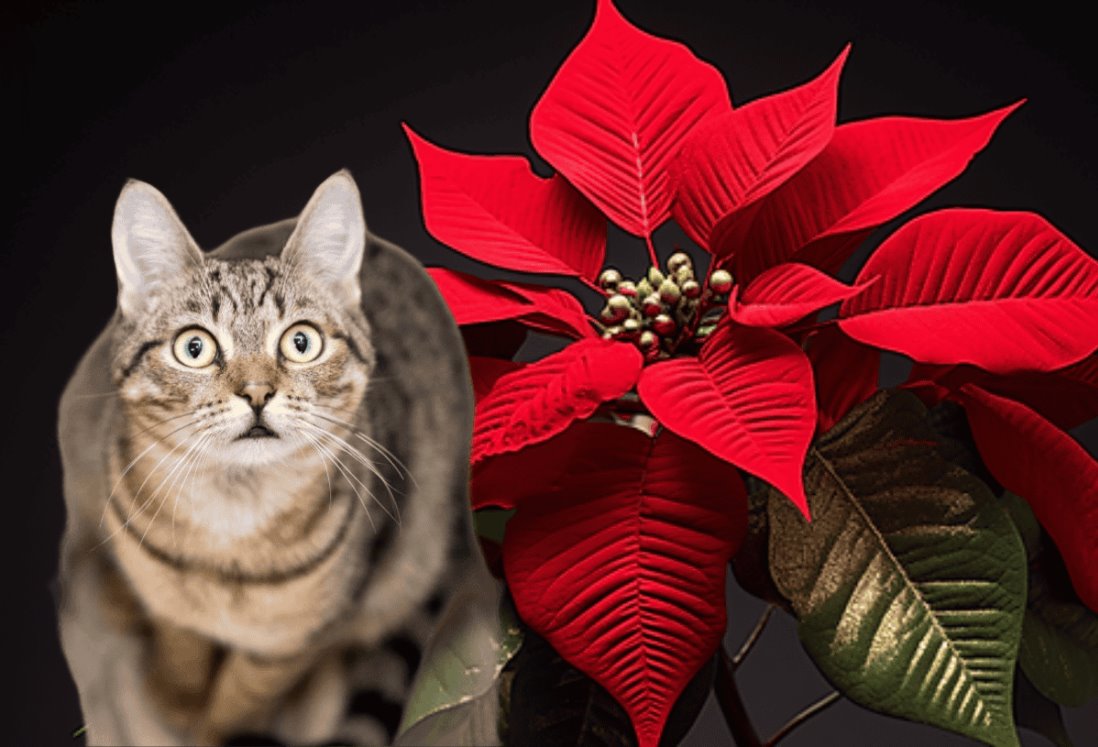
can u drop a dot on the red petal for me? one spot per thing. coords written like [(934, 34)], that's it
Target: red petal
[(1033, 458), (786, 293), (543, 398), (496, 210), (616, 113), (869, 173), (741, 156), (621, 563), (1003, 291), (846, 373), (475, 301), (747, 398)]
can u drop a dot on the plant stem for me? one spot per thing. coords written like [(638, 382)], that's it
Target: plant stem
[(752, 637), (652, 256), (801, 717), (735, 713), (594, 286)]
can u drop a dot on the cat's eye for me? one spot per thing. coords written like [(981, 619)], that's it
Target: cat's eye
[(195, 347), (301, 343)]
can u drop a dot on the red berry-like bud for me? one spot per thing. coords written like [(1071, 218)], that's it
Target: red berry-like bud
[(677, 261), (627, 288), (691, 289), (648, 339), (651, 305), (609, 279), (663, 325), (721, 281), (669, 292)]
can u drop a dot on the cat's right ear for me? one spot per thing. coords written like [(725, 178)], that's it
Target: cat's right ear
[(151, 245)]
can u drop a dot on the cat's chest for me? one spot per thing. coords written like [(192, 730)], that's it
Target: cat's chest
[(270, 608)]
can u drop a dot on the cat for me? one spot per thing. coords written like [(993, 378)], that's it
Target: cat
[(265, 473)]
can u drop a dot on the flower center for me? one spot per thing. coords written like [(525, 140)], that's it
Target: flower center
[(668, 311)]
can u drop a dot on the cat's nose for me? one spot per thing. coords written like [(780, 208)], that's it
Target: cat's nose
[(258, 393)]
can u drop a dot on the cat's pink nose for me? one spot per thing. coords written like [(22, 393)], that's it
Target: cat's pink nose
[(257, 393)]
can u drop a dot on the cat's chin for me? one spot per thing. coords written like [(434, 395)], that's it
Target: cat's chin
[(257, 450)]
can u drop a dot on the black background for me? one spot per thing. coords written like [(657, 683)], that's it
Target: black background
[(237, 112)]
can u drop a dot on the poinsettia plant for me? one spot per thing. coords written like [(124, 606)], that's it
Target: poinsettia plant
[(718, 408)]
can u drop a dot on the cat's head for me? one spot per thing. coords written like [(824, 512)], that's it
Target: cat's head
[(246, 360)]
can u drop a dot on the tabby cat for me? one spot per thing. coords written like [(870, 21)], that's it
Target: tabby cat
[(265, 474)]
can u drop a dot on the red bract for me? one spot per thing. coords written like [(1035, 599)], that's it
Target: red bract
[(616, 114), (1036, 460), (639, 129), (622, 559)]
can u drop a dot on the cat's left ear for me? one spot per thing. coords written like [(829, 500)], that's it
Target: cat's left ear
[(329, 238), (151, 246)]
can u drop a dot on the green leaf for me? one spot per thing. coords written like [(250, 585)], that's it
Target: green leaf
[(1037, 713), (1059, 648), (455, 695), (909, 583)]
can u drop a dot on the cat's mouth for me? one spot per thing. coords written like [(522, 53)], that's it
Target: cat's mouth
[(258, 430)]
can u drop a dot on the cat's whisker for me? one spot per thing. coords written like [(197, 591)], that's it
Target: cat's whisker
[(322, 450), (93, 395), (134, 513), (353, 480), (324, 463), (361, 459), (132, 464), (401, 469), (178, 470), (200, 457)]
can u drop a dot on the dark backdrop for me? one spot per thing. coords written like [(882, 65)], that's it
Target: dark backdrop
[(237, 113)]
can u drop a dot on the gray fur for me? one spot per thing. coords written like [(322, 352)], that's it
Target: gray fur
[(418, 405)]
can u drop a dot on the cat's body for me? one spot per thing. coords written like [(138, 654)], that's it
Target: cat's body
[(224, 565)]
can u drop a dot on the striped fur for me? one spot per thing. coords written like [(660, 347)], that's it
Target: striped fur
[(248, 583)]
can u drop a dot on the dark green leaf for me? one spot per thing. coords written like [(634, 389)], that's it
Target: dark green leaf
[(552, 704), (909, 583), (455, 698), (949, 421), (751, 564), (1037, 713), (1059, 648)]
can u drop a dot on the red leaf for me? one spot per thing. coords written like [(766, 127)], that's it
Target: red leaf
[(496, 210), (1004, 291), (747, 398), (475, 301), (1033, 458), (743, 155), (541, 399), (485, 372), (616, 112), (869, 173), (621, 563), (786, 293), (846, 373), (1068, 397)]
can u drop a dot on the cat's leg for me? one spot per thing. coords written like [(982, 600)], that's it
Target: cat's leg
[(106, 647), (181, 668), (315, 710), (246, 691)]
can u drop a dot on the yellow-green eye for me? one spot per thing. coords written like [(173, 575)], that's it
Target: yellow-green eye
[(195, 347), (301, 343)]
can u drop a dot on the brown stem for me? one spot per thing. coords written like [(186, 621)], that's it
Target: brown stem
[(735, 713), (752, 637), (801, 717)]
